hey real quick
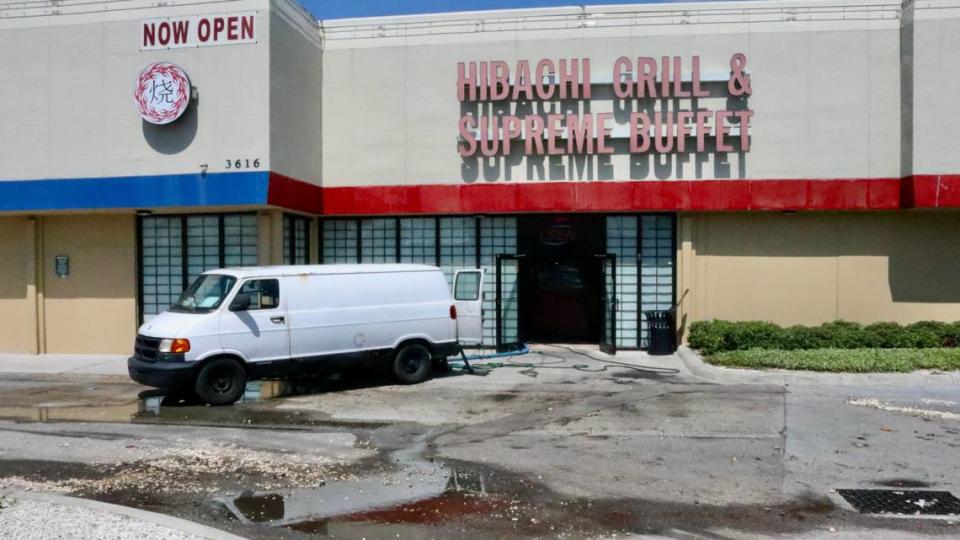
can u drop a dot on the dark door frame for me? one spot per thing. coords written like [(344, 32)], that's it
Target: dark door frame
[(608, 303)]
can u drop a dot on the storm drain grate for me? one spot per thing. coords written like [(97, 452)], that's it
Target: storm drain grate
[(903, 502)]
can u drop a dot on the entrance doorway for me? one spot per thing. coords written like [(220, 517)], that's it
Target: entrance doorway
[(562, 289), (560, 298)]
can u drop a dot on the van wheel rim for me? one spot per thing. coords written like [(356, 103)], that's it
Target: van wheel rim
[(221, 382), (412, 363)]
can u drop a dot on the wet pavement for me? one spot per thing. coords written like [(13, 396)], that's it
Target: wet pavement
[(558, 443)]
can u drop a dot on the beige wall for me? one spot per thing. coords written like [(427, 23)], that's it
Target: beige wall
[(18, 323), (94, 309), (809, 268)]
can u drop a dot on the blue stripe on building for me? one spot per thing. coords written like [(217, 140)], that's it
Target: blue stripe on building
[(156, 191)]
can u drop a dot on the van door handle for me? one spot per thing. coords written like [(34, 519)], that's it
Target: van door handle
[(279, 320)]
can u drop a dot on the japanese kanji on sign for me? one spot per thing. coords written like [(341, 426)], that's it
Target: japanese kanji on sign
[(162, 93)]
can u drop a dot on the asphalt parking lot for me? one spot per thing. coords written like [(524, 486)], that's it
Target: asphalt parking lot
[(565, 441)]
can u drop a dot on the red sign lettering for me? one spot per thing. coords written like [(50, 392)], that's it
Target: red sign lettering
[(198, 31), (543, 128)]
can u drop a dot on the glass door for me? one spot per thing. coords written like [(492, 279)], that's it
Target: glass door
[(608, 303), (508, 268)]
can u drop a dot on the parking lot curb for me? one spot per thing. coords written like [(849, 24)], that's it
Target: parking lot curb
[(695, 364), (169, 522)]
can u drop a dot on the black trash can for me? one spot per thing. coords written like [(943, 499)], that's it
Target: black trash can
[(661, 328)]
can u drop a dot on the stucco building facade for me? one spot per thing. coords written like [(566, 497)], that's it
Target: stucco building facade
[(785, 161)]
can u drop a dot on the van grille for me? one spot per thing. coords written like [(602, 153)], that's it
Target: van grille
[(146, 348)]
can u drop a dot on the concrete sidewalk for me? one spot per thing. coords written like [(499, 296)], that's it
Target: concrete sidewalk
[(59, 364), (589, 356), (47, 515), (695, 364)]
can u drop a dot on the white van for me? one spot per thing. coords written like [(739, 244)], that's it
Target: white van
[(238, 324)]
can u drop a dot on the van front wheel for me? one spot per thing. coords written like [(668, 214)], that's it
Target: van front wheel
[(412, 364), (221, 382)]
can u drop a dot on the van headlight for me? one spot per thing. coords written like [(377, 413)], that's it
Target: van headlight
[(175, 346)]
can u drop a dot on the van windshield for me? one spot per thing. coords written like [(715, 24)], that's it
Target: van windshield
[(205, 294)]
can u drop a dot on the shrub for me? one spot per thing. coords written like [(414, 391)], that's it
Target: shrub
[(755, 334), (952, 338), (709, 336), (715, 336), (930, 333), (804, 337), (843, 335), (890, 335)]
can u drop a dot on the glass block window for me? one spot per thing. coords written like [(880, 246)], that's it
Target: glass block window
[(203, 245), (296, 240), (498, 235), (340, 241), (207, 241), (656, 267), (643, 245), (622, 242), (240, 240), (161, 264), (418, 240), (378, 240), (458, 244)]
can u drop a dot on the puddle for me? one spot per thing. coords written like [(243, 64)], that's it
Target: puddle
[(177, 410), (260, 508), (163, 407), (128, 402), (413, 478), (54, 412), (451, 506), (313, 510)]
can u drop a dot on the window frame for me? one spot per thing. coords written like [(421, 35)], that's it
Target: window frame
[(672, 241), (290, 236), (241, 284), (184, 248), (477, 290)]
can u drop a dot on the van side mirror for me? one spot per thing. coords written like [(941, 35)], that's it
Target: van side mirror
[(241, 302)]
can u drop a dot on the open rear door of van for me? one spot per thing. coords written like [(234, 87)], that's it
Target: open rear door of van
[(468, 297)]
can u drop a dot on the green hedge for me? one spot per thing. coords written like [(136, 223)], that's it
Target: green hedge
[(715, 336)]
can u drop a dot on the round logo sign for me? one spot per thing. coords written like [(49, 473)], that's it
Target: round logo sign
[(557, 235), (162, 93)]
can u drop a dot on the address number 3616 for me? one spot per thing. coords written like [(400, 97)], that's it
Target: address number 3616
[(243, 163)]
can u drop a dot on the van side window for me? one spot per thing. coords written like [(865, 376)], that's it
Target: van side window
[(264, 293), (467, 286)]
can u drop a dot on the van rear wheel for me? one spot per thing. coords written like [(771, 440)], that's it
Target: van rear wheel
[(221, 382), (412, 364)]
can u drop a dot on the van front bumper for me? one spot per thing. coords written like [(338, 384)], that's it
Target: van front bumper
[(162, 374)]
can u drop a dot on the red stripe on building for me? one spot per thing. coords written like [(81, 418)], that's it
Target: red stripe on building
[(615, 196), (920, 191), (931, 191), (293, 194)]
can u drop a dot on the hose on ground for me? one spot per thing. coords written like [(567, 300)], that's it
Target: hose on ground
[(560, 362)]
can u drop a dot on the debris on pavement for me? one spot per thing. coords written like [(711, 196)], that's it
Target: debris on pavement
[(929, 414), (197, 470), (22, 519)]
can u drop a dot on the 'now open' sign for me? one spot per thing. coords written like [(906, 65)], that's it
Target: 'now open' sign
[(198, 31)]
